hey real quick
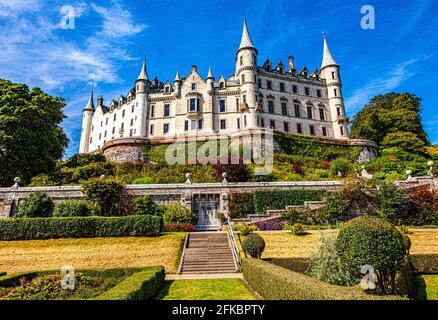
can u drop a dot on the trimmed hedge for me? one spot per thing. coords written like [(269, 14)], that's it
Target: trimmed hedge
[(142, 285), (79, 227), (276, 283), (279, 199), (425, 263)]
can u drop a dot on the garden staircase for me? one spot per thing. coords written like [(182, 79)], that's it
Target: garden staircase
[(207, 253)]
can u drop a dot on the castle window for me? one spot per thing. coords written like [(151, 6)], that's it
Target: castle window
[(222, 105), (221, 85), (237, 104), (318, 93), (272, 124), (335, 91), (186, 125), (200, 123), (104, 134), (193, 125), (165, 128), (284, 108), (101, 124), (192, 104), (307, 91), (270, 106), (115, 117), (106, 121), (241, 60), (282, 87), (123, 113), (312, 130), (260, 83), (324, 131), (167, 89), (132, 108), (333, 76), (166, 110), (132, 122), (299, 128), (91, 140), (321, 114), (341, 130), (262, 123), (238, 123), (286, 126), (269, 85), (100, 136), (223, 124), (244, 98), (243, 78), (114, 130), (294, 89), (297, 111), (122, 127), (151, 130), (244, 121), (309, 113), (193, 86), (152, 111), (92, 128), (130, 132)]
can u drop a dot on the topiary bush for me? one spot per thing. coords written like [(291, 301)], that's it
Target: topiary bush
[(104, 195), (254, 245), (298, 229), (145, 205), (245, 229), (342, 165), (372, 241), (71, 208), (176, 213), (37, 204)]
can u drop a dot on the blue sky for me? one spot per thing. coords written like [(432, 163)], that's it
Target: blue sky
[(110, 38)]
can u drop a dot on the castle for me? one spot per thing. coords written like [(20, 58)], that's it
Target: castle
[(254, 97)]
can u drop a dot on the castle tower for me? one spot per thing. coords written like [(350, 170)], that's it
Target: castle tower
[(142, 87), (86, 125), (210, 81), (330, 72), (177, 83), (246, 68)]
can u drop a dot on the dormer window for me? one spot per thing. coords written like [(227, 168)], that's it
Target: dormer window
[(221, 85), (167, 89), (193, 86)]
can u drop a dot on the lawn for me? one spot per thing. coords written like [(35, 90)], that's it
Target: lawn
[(285, 245), (427, 287), (20, 256), (205, 289)]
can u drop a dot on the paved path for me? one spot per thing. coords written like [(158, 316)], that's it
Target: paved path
[(204, 276)]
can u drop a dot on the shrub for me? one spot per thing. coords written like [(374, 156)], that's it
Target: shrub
[(235, 172), (245, 229), (271, 225), (241, 204), (179, 227), (425, 204), (71, 208), (298, 229), (296, 216), (276, 283), (375, 242), (335, 208), (341, 165), (37, 204), (145, 205), (176, 213), (326, 264), (142, 285), (79, 227), (279, 199), (393, 204), (254, 245), (104, 195)]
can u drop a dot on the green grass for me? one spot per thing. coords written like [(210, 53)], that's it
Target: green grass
[(427, 287), (205, 289)]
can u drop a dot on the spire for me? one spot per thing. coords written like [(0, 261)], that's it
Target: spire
[(177, 76), (246, 38), (327, 58), (90, 103), (144, 73), (210, 73)]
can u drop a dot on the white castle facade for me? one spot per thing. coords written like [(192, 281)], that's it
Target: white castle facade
[(254, 97)]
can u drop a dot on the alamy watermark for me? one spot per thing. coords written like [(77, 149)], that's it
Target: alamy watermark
[(68, 17), (68, 278), (368, 21)]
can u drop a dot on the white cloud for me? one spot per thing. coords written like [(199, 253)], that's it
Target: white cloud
[(390, 82), (14, 8)]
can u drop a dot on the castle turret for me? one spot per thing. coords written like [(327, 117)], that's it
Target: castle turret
[(86, 125), (142, 86), (246, 68), (210, 81), (330, 71), (177, 83)]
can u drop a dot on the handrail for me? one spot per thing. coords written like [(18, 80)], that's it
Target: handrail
[(186, 238), (233, 244)]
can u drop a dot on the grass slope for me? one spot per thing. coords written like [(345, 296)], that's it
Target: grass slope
[(427, 287), (20, 256), (205, 289)]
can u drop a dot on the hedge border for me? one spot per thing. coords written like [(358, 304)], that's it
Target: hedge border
[(279, 199), (79, 227), (276, 283)]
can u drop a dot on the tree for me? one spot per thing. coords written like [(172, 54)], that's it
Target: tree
[(390, 114), (406, 141), (31, 138)]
